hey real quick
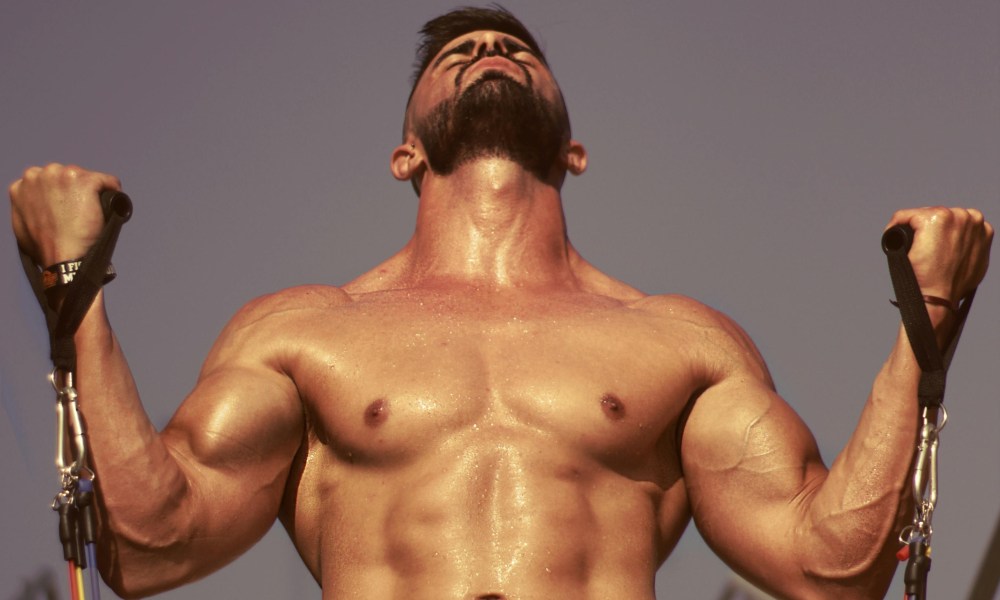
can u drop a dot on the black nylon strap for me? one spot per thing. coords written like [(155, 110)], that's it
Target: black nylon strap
[(35, 279), (81, 292), (89, 279), (933, 363)]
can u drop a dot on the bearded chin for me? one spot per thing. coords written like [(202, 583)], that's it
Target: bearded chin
[(496, 117)]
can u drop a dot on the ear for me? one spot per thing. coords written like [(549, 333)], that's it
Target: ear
[(576, 157), (406, 161)]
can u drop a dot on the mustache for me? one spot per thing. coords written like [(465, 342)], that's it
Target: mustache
[(520, 64)]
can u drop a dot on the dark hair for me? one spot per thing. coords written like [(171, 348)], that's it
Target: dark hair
[(437, 32)]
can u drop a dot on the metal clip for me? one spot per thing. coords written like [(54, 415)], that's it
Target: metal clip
[(925, 473), (71, 447), (64, 497)]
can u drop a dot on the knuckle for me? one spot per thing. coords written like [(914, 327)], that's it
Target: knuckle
[(939, 214), (50, 173), (959, 216), (72, 172)]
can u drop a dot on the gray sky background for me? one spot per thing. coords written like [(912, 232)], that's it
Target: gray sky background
[(747, 154)]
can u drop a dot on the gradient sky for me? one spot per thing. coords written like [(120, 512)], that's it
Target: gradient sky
[(747, 154)]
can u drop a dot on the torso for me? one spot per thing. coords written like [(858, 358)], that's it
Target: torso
[(462, 445)]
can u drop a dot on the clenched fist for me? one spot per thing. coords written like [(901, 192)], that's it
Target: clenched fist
[(56, 211), (950, 251)]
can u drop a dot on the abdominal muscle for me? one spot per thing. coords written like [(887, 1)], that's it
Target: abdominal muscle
[(491, 515)]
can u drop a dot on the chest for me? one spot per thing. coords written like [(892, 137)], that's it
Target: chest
[(391, 383)]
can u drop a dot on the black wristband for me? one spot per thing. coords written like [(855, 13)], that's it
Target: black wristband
[(63, 273)]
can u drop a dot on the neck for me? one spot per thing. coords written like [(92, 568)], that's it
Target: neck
[(492, 224)]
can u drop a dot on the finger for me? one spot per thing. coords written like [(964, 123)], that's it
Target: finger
[(32, 172), (908, 216), (13, 189), (977, 216), (98, 179), (109, 182), (73, 176), (99, 182), (30, 175), (930, 216)]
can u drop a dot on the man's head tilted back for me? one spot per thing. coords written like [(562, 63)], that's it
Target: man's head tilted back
[(483, 88), (437, 32)]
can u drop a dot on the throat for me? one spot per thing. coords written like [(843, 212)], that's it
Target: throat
[(488, 224)]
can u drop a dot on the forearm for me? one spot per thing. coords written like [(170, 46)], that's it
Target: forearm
[(829, 533), (853, 519), (142, 491)]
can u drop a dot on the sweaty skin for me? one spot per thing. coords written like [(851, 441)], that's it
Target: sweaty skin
[(485, 416), (486, 441)]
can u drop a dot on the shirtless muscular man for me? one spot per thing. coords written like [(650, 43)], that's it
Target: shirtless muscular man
[(485, 415)]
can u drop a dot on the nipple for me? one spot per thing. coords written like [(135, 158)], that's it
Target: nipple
[(377, 413), (614, 408)]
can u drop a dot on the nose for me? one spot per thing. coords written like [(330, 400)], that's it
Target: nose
[(488, 45)]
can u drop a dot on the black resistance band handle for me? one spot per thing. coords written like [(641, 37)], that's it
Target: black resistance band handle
[(896, 242), (118, 203), (897, 239), (117, 208)]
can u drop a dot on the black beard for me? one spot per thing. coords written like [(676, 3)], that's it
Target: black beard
[(495, 117)]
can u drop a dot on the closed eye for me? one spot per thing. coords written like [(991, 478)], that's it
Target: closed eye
[(512, 47), (464, 48)]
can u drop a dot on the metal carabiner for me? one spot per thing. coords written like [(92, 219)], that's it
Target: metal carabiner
[(925, 472), (71, 447), (76, 431), (61, 434), (932, 482), (63, 458)]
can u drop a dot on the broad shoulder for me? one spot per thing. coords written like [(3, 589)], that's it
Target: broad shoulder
[(717, 342), (681, 307), (686, 310), (288, 303), (261, 327)]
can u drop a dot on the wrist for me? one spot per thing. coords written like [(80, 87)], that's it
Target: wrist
[(63, 273), (59, 252), (56, 279), (943, 314), (944, 319)]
